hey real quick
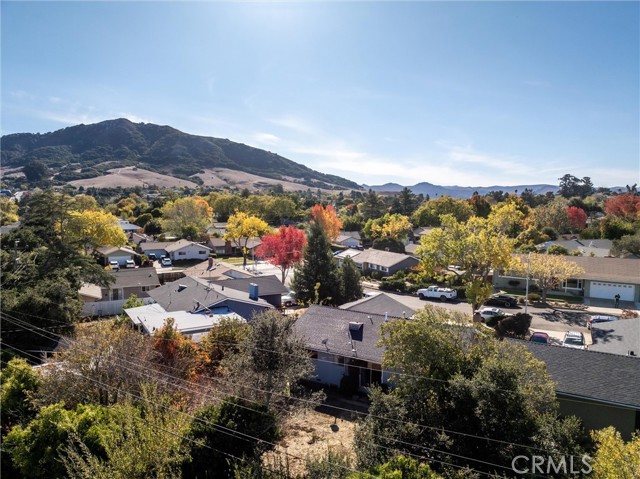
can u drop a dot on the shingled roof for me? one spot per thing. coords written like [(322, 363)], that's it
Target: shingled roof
[(380, 304), (328, 329), (590, 375)]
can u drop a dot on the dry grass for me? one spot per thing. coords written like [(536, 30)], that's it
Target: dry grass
[(310, 433), (132, 176)]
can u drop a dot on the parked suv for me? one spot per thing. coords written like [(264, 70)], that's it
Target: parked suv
[(114, 264), (166, 261), (575, 340), (130, 263)]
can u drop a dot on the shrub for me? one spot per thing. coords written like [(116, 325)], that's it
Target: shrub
[(534, 297), (516, 326), (349, 385), (393, 285)]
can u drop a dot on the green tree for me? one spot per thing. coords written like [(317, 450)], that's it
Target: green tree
[(372, 206), (222, 341), (317, 278), (548, 271), (8, 211), (219, 434), (186, 215), (271, 359), (467, 382), (429, 213), (400, 467), (629, 244), (19, 382), (350, 281), (388, 244), (36, 171)]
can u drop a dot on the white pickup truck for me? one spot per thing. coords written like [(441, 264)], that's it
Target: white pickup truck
[(437, 292)]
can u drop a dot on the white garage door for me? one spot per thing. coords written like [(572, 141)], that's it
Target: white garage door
[(609, 290)]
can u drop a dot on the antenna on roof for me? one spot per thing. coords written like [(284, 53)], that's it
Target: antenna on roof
[(370, 319)]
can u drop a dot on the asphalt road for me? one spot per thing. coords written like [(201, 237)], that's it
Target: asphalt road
[(553, 322)]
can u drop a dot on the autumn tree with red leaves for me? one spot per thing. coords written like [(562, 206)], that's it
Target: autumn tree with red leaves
[(577, 218), (328, 220), (625, 206), (283, 248), (179, 353)]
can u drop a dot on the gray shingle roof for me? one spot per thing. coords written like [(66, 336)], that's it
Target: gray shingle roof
[(183, 243), (617, 337), (382, 258), (267, 285), (198, 293), (601, 377), (380, 304), (321, 322), (133, 277)]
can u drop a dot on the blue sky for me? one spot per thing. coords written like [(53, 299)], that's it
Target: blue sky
[(455, 93)]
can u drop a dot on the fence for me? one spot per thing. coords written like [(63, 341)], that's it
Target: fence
[(108, 308)]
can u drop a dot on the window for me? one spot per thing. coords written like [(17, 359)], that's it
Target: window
[(202, 252), (572, 284), (182, 253)]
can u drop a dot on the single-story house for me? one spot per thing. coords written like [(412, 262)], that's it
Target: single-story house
[(128, 281), (381, 304), (252, 244), (601, 389), (270, 288), (617, 337), (184, 249), (154, 247), (349, 239), (603, 278), (104, 301), (597, 247), (343, 343), (114, 253), (152, 317), (128, 227), (197, 295), (347, 253), (384, 262), (211, 270), (417, 233), (220, 246), (411, 248), (218, 228)]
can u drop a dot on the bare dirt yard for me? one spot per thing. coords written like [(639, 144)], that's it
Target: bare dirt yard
[(132, 176), (310, 433)]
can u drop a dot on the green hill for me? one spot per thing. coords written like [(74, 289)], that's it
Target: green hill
[(86, 151)]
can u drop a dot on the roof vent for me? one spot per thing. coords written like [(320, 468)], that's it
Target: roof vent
[(354, 326), (181, 287)]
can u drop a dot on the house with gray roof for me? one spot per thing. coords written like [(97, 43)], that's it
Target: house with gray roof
[(381, 304), (213, 270), (152, 317), (603, 278), (197, 295), (349, 239), (269, 288), (343, 344), (601, 389), (597, 247), (385, 263), (617, 337)]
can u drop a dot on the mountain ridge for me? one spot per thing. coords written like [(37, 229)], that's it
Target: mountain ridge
[(464, 192), (82, 151)]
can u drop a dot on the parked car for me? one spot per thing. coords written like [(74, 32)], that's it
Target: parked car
[(500, 299), (114, 264), (539, 337), (289, 299), (486, 313), (574, 339), (130, 263), (152, 256), (166, 261), (600, 318)]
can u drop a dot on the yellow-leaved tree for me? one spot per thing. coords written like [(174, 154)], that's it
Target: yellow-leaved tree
[(8, 211), (468, 249), (328, 220), (615, 459), (548, 270), (91, 229), (394, 226), (242, 227), (187, 217)]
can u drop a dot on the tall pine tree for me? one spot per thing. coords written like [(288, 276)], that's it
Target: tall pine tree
[(350, 285), (317, 280)]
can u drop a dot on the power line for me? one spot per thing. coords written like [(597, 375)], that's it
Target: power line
[(349, 410)]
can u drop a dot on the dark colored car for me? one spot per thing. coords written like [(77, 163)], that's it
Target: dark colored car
[(539, 337), (502, 300)]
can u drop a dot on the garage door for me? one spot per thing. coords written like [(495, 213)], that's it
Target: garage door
[(609, 290)]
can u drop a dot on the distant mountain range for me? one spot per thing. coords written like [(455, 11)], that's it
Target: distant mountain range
[(83, 152), (87, 151), (435, 191)]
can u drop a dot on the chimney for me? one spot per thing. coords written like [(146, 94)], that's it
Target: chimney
[(386, 317), (253, 291)]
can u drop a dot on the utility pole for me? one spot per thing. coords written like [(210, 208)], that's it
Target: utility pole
[(526, 291)]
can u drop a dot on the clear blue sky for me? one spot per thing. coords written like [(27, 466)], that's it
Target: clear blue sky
[(457, 93)]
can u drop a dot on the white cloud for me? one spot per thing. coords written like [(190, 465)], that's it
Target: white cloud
[(294, 123), (266, 139)]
